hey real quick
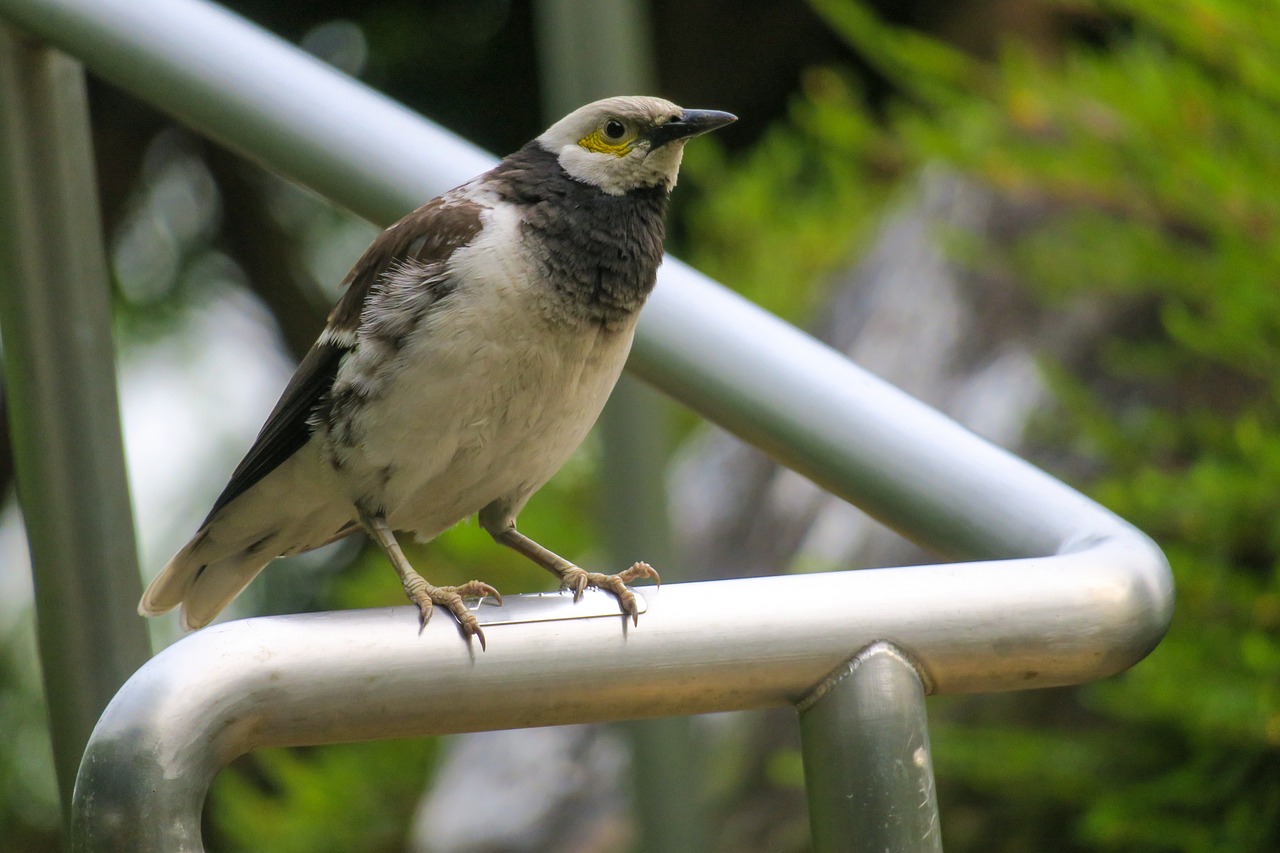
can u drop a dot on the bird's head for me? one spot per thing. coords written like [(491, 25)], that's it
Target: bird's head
[(625, 144)]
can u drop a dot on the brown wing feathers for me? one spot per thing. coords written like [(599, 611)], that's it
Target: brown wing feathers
[(429, 235)]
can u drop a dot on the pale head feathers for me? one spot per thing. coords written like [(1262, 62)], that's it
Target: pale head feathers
[(612, 144)]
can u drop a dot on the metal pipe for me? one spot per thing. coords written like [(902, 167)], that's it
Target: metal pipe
[(868, 768), (667, 757), (700, 647), (55, 315), (261, 96)]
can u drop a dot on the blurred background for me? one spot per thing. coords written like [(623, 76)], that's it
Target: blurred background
[(1056, 220)]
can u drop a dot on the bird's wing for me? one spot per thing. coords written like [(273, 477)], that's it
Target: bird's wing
[(426, 237)]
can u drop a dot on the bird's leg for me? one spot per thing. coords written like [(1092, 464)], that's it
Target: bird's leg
[(572, 577), (422, 593)]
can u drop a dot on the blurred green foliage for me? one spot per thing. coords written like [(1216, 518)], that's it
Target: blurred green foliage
[(1152, 135), (334, 799), (28, 793)]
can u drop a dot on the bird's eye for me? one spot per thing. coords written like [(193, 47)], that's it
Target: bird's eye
[(614, 129)]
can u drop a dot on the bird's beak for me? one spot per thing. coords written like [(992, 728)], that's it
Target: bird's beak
[(690, 123)]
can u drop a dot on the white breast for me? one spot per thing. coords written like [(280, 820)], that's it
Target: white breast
[(488, 399)]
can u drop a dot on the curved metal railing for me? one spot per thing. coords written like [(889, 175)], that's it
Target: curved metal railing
[(1061, 591)]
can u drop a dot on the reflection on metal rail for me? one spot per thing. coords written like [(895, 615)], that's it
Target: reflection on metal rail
[(1064, 592)]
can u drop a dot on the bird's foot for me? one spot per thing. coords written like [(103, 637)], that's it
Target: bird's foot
[(427, 597), (578, 580)]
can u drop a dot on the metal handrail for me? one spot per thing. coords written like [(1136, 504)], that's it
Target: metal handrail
[(1068, 592)]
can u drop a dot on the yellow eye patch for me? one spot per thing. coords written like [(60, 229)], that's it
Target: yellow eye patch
[(596, 141)]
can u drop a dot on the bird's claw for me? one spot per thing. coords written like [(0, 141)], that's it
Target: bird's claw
[(451, 597), (577, 580)]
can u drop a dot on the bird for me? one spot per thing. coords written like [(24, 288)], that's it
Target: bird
[(473, 347)]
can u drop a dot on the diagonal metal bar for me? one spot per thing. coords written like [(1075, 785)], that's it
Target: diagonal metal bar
[(796, 398), (1070, 593)]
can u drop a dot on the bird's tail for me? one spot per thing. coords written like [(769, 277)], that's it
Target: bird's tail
[(202, 581), (288, 511)]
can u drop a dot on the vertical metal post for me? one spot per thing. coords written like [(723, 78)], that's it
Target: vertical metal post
[(590, 49), (666, 770), (55, 318), (867, 764)]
